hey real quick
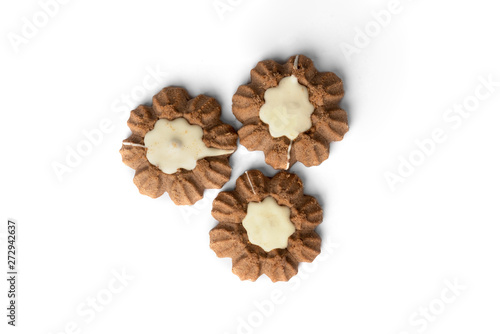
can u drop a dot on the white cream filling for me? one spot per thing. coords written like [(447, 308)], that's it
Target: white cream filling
[(288, 154), (177, 144), (268, 224), (287, 109)]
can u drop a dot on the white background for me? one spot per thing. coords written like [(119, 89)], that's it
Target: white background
[(396, 248)]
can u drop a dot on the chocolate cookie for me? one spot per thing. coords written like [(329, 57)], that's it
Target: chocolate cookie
[(179, 145), (291, 112), (266, 225)]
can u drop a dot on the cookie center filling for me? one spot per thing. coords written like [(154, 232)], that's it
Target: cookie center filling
[(177, 144), (268, 224), (287, 109)]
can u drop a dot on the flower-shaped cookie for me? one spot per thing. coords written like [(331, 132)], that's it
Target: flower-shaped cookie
[(291, 112), (245, 228), (179, 145)]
